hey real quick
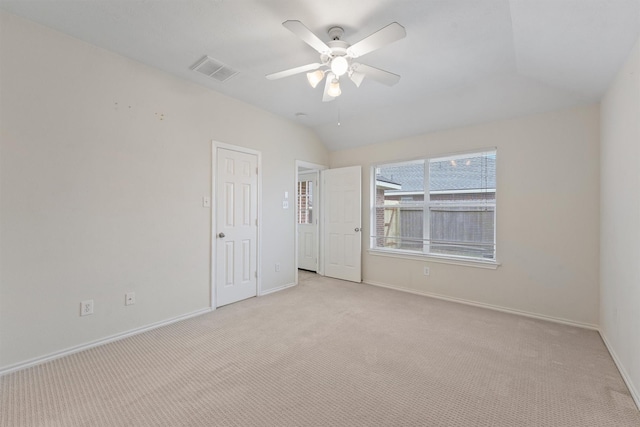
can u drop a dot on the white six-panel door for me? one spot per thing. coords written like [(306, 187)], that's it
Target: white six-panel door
[(236, 233), (308, 230), (342, 223)]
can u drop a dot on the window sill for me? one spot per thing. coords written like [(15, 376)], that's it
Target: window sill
[(467, 262)]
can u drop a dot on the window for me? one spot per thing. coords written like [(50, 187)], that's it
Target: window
[(454, 218), (305, 202)]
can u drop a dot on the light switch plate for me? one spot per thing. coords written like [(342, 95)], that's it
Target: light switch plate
[(206, 202)]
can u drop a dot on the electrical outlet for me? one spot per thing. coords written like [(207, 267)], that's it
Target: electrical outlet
[(129, 298), (86, 307), (277, 267), (426, 271)]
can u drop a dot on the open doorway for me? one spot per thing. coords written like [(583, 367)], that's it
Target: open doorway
[(335, 219)]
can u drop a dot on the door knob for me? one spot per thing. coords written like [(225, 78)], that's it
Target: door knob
[(357, 229), (221, 235)]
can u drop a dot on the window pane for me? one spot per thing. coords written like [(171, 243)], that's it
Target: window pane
[(465, 231), (399, 216), (305, 202), (403, 228), (473, 173), (462, 192)]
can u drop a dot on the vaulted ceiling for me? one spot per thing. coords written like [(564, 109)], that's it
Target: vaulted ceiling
[(462, 62)]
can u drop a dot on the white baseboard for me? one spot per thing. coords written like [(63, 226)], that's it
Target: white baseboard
[(278, 289), (75, 349), (634, 392), (71, 350), (489, 306)]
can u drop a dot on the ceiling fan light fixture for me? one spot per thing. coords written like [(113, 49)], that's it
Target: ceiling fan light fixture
[(315, 77), (337, 58), (334, 88), (339, 65)]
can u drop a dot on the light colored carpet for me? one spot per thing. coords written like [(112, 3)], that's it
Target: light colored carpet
[(329, 352)]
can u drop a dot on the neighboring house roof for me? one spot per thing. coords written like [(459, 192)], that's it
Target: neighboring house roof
[(387, 184), (386, 180), (461, 174)]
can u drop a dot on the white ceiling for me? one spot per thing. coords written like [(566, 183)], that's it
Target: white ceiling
[(462, 62)]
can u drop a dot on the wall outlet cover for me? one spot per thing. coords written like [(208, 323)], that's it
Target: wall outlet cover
[(86, 307), (129, 298)]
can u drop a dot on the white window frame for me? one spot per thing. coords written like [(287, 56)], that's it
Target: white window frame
[(425, 255)]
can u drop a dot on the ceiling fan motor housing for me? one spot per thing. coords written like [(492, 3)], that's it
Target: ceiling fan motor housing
[(335, 33), (338, 47)]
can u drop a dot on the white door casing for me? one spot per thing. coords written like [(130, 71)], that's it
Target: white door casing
[(342, 207), (308, 232), (236, 225)]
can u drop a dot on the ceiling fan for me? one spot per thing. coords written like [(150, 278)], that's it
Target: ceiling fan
[(337, 58)]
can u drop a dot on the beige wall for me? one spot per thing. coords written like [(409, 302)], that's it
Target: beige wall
[(103, 165), (547, 216), (620, 226)]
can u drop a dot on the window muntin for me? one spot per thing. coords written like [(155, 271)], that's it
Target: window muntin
[(455, 218)]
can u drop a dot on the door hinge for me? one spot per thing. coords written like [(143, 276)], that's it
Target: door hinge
[(256, 274), (256, 171)]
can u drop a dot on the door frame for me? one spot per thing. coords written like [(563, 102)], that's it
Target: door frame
[(318, 202), (214, 198)]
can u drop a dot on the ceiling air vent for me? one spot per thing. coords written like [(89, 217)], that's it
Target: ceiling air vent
[(214, 69)]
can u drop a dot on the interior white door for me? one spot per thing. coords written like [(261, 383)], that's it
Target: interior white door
[(236, 226), (307, 221), (342, 201)]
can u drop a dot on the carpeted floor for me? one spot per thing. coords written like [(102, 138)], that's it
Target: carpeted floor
[(335, 353)]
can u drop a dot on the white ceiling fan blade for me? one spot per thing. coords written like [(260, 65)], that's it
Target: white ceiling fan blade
[(292, 71), (381, 76), (325, 95), (357, 78), (382, 37), (299, 29)]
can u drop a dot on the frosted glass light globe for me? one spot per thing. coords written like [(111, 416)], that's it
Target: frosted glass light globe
[(334, 88), (339, 65)]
